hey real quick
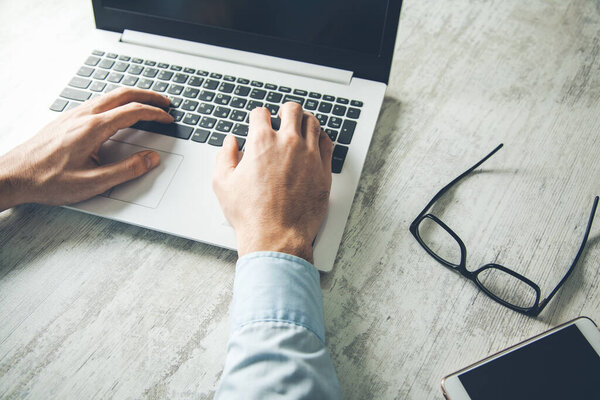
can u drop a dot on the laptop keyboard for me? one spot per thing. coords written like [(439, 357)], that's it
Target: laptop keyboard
[(207, 105)]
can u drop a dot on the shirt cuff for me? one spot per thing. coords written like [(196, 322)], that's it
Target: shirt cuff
[(277, 287)]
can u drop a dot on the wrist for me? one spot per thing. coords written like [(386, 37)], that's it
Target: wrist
[(288, 242), (11, 185)]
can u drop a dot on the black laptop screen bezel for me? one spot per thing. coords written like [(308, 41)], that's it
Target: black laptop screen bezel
[(372, 67)]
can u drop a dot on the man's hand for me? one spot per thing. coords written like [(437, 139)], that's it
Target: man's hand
[(276, 193), (60, 164)]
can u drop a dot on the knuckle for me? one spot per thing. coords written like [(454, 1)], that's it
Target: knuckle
[(292, 107)]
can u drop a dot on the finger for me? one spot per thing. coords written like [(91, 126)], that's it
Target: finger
[(135, 165), (227, 157), (291, 118), (127, 115), (122, 96), (326, 150), (260, 127), (311, 129)]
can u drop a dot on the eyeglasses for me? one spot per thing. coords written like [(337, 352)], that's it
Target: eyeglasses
[(502, 284)]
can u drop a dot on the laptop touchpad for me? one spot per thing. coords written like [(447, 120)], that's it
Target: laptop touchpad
[(148, 189)]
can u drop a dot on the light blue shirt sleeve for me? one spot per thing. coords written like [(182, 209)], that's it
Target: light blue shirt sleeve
[(276, 348)]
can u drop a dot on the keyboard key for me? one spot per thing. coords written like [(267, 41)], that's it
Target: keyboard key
[(226, 87), (275, 123), (332, 134), (201, 73), (136, 69), (98, 53), (216, 76), (339, 156), (107, 64), (327, 97), (111, 55), (150, 72), (191, 92), (195, 81), (342, 100), (189, 70), (241, 142), (339, 110), (176, 68), (285, 89), (75, 94), (210, 84), (121, 67), (353, 113), (273, 108), (208, 122), (165, 75), (238, 102), (300, 92), (347, 131), (325, 107), (80, 83), (314, 95), (189, 105), (238, 115), (124, 58), (177, 115), (221, 112), (243, 81), (173, 130), (252, 104), (85, 71), (150, 63), (191, 119), (163, 65), (175, 101), (222, 99), (274, 97), (335, 123), (322, 119), (270, 86), (200, 135), (110, 87), (145, 83), (224, 126), (136, 60), (229, 78), (114, 77), (100, 74), (97, 86), (258, 94), (206, 95), (205, 108), (242, 90), (240, 129), (295, 99), (216, 139), (130, 80), (180, 78), (58, 105), (92, 61), (256, 84), (72, 105), (311, 105), (160, 86), (175, 89)]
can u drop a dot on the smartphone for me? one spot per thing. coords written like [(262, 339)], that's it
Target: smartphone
[(563, 363)]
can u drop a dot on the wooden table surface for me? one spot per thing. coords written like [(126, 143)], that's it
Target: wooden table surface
[(91, 308)]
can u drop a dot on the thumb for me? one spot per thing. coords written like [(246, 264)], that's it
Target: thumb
[(131, 167), (227, 157)]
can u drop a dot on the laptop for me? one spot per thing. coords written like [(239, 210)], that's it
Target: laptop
[(217, 60)]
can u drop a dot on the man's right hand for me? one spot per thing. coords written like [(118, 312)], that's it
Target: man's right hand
[(275, 194)]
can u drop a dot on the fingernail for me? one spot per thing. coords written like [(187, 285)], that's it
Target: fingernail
[(151, 159)]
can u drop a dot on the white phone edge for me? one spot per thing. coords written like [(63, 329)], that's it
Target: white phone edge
[(453, 389)]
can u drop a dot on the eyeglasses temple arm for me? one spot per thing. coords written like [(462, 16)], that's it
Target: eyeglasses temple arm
[(585, 238)]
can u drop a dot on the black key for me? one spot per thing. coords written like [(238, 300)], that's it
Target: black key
[(100, 74), (229, 78), (107, 64), (335, 123), (221, 112), (216, 76), (243, 81), (238, 102), (314, 95), (241, 142), (216, 139), (211, 84), (189, 105), (226, 87), (285, 89), (180, 78), (58, 105), (337, 161), (191, 119), (173, 130), (98, 53), (273, 108), (175, 101), (242, 90), (295, 99), (222, 99), (238, 115), (75, 94), (353, 113), (300, 92), (240, 129), (201, 73), (332, 134), (150, 63), (80, 83), (163, 65), (256, 84), (275, 123), (176, 68), (252, 104), (270, 86), (111, 55), (93, 61), (224, 126), (145, 83), (339, 110), (190, 92), (325, 107), (136, 69), (208, 122), (205, 108), (327, 97), (258, 94), (274, 97), (200, 135), (347, 131), (85, 71), (342, 100), (195, 81), (160, 86), (206, 95), (124, 58), (322, 119), (177, 115), (150, 72), (165, 75), (121, 67), (175, 89), (136, 60), (130, 80), (311, 104), (97, 86), (189, 70)]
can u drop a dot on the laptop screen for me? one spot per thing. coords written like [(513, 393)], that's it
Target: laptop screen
[(354, 25)]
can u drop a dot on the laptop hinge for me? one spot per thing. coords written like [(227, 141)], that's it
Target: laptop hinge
[(238, 56)]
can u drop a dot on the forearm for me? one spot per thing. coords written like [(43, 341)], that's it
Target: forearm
[(11, 188)]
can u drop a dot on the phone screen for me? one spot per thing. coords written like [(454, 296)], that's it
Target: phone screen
[(562, 365)]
